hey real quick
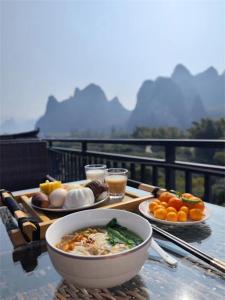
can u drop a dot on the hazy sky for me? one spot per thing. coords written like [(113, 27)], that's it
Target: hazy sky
[(51, 47)]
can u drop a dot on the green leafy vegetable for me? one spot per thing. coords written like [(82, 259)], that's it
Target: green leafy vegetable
[(120, 234)]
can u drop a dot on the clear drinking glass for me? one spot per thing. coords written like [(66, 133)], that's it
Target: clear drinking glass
[(116, 179), (95, 171)]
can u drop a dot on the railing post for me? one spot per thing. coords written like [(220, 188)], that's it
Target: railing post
[(170, 173), (83, 148), (142, 175), (115, 164), (155, 175), (188, 182), (132, 171), (108, 164), (83, 157), (207, 188)]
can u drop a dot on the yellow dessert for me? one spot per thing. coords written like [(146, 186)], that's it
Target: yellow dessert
[(47, 187)]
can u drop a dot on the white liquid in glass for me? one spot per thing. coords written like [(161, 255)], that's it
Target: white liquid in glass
[(95, 174)]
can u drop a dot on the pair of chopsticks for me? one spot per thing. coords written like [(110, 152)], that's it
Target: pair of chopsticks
[(214, 262)]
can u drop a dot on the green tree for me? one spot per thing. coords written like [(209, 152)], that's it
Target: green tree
[(158, 133), (207, 129)]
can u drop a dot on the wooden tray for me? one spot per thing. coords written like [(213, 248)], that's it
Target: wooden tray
[(130, 202)]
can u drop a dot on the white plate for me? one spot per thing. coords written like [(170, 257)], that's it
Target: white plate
[(62, 210), (144, 209)]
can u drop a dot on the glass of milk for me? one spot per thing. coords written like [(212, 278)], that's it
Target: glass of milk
[(95, 172)]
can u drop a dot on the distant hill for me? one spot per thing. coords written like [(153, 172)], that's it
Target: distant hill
[(87, 110), (159, 104), (211, 88), (167, 101), (179, 100)]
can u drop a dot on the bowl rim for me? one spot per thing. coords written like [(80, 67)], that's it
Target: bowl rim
[(102, 257)]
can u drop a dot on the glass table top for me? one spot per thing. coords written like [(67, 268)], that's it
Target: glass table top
[(27, 272)]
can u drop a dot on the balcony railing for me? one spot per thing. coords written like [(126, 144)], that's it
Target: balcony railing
[(67, 158)]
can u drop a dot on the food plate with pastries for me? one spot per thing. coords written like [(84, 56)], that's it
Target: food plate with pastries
[(175, 209), (58, 197)]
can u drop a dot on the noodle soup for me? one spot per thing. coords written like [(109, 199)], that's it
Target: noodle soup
[(107, 240)]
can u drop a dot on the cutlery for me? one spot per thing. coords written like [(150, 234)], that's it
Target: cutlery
[(213, 261), (165, 256)]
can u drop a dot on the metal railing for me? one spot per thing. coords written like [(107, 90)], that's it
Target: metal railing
[(67, 163)]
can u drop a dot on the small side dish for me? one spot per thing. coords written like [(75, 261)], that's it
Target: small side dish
[(55, 196), (102, 240), (177, 207)]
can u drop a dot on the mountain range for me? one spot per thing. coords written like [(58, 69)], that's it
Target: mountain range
[(86, 110), (180, 99), (175, 101)]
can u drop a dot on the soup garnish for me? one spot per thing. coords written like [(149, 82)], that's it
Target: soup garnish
[(110, 239)]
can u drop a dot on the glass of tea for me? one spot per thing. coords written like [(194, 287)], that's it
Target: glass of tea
[(95, 172), (116, 179)]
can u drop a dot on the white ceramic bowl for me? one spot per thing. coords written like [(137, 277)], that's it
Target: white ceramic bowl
[(98, 271)]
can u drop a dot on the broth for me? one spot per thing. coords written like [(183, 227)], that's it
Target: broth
[(99, 240)]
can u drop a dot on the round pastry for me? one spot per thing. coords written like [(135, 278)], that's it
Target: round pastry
[(40, 199), (57, 198), (79, 198), (99, 189)]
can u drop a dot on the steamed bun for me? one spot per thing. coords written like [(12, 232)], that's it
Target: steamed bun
[(78, 198)]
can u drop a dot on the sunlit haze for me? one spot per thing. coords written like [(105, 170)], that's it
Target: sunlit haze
[(51, 47)]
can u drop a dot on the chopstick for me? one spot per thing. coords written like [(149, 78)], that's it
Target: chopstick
[(216, 263)]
